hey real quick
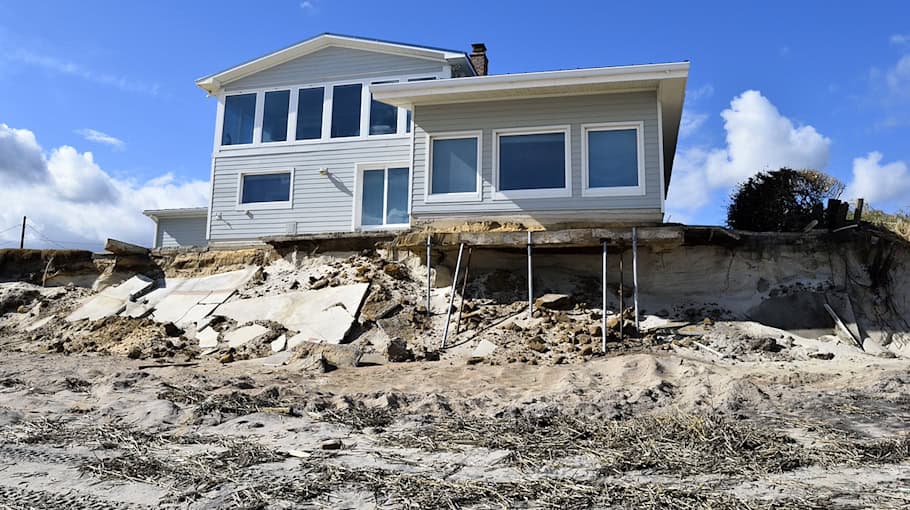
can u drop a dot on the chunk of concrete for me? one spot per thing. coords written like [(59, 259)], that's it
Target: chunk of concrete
[(118, 247), (40, 323), (324, 315), (208, 338), (277, 359), (112, 300), (555, 302), (279, 343), (483, 350), (243, 335)]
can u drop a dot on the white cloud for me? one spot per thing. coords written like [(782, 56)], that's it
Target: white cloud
[(898, 77), (758, 138), (900, 39), (74, 202), (881, 185), (690, 123), (57, 65), (706, 90), (94, 135)]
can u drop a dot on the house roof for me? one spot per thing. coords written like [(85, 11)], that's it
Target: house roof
[(668, 79), (215, 81), (186, 212)]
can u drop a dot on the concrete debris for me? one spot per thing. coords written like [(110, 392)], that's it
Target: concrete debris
[(195, 298), (483, 350), (278, 359), (333, 356), (208, 338), (398, 351), (537, 344), (279, 343), (324, 315), (242, 335), (332, 444), (40, 323), (112, 300), (555, 302), (123, 248)]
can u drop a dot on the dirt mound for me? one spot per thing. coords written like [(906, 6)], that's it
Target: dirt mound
[(122, 336), (37, 265)]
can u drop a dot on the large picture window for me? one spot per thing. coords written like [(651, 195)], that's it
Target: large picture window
[(260, 190), (239, 118), (613, 159), (275, 116), (346, 110), (532, 163), (454, 167)]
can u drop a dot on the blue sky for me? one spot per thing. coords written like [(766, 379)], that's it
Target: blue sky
[(116, 80)]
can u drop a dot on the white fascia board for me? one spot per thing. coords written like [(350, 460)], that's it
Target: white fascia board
[(404, 94), (214, 82), (189, 212)]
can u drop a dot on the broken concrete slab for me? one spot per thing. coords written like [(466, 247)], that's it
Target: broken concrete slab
[(554, 302), (112, 300), (323, 315), (483, 350), (180, 304), (277, 359), (118, 247), (244, 334), (40, 323), (338, 356), (208, 338)]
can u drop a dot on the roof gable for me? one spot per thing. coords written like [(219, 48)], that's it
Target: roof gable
[(214, 82)]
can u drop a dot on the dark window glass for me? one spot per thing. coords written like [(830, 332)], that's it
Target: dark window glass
[(275, 116), (612, 158), (309, 113), (397, 203), (532, 161), (454, 166), (239, 116), (266, 188), (346, 110), (373, 197), (383, 117)]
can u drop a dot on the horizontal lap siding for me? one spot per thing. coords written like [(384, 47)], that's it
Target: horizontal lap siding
[(321, 203), (176, 232), (335, 64), (553, 111)]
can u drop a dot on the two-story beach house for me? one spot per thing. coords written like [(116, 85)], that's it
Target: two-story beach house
[(346, 134)]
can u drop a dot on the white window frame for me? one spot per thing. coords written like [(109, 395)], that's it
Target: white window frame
[(283, 204), (615, 191), (565, 191), (327, 104), (359, 168), (472, 196)]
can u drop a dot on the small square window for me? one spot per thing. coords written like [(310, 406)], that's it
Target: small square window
[(239, 117), (265, 188), (612, 159)]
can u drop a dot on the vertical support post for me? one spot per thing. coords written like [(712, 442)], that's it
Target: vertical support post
[(464, 288), (530, 281), (445, 332), (603, 299), (622, 305), (429, 270), (22, 237), (635, 273)]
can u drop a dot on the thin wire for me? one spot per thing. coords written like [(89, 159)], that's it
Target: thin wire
[(58, 242), (11, 228)]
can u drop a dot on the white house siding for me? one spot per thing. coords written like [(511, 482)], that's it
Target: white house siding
[(176, 232), (320, 203), (550, 111), (336, 64)]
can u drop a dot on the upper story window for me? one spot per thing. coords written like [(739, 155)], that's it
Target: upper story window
[(275, 116), (532, 163), (383, 117), (346, 110), (309, 113), (239, 119), (613, 159), (454, 167)]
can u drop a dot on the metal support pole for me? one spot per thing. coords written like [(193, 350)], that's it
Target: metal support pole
[(635, 273), (22, 237), (445, 333), (603, 297), (464, 288), (530, 281), (622, 306), (429, 271)]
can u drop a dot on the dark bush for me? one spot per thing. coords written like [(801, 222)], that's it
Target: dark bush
[(784, 200)]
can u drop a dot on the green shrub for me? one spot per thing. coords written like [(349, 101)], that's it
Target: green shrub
[(784, 200)]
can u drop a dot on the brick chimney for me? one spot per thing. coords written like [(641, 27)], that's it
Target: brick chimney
[(479, 58)]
